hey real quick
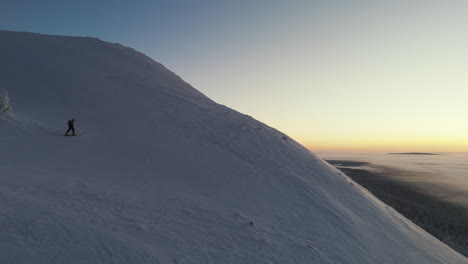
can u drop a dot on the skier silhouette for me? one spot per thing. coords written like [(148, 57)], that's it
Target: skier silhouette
[(71, 127)]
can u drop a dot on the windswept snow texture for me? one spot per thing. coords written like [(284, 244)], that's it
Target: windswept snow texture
[(162, 174)]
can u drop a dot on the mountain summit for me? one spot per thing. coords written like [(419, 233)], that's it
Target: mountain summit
[(159, 173)]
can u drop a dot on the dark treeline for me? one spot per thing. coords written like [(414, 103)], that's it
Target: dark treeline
[(446, 221)]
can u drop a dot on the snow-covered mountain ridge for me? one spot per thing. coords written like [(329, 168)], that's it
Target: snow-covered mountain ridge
[(162, 174)]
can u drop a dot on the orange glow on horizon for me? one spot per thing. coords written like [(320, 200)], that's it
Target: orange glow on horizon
[(388, 145)]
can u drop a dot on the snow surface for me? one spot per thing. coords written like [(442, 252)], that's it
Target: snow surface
[(162, 174), (4, 102)]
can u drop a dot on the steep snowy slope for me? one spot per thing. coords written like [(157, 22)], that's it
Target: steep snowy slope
[(162, 174)]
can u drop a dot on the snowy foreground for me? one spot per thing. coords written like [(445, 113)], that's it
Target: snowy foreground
[(162, 174)]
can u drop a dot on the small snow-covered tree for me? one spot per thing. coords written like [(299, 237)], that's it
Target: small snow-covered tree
[(4, 102)]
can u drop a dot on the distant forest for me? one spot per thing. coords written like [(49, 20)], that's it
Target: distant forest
[(446, 221)]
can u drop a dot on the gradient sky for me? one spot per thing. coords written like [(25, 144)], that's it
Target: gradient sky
[(334, 75)]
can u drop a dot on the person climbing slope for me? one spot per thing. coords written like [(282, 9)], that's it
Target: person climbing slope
[(71, 127)]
